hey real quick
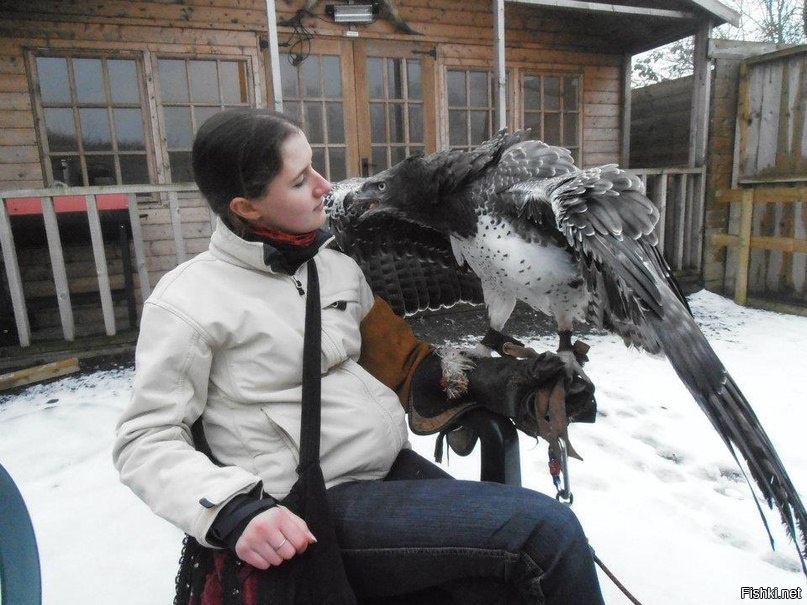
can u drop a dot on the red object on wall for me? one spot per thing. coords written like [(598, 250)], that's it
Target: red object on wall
[(66, 203)]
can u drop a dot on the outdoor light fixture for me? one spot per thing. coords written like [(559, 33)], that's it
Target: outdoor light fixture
[(352, 13)]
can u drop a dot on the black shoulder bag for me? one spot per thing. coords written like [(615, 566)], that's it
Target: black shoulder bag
[(316, 577)]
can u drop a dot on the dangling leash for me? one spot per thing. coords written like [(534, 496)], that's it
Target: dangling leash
[(558, 468)]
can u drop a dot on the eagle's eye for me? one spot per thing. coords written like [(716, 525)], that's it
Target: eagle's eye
[(381, 186)]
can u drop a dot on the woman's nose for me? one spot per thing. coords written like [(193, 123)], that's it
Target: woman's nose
[(324, 184)]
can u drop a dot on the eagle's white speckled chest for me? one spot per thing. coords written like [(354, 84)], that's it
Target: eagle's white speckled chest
[(511, 268)]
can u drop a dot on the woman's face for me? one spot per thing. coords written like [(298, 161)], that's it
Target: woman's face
[(293, 199)]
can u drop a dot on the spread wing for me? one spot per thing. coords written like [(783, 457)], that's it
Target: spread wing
[(410, 266), (608, 224)]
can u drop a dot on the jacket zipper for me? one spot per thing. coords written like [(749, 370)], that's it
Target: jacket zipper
[(299, 285)]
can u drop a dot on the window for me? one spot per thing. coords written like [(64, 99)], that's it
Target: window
[(92, 121), (471, 107), (395, 94), (312, 94), (552, 109), (191, 90)]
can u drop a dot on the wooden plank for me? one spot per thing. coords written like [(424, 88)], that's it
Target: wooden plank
[(139, 248), (59, 272), (763, 195), (97, 238), (12, 270), (176, 222), (620, 9), (744, 246), (38, 373)]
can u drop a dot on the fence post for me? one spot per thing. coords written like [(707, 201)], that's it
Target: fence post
[(59, 271), (744, 247), (14, 278), (101, 270)]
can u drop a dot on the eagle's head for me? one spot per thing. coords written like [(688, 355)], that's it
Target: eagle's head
[(420, 189)]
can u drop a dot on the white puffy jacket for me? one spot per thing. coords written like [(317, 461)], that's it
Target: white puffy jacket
[(221, 337)]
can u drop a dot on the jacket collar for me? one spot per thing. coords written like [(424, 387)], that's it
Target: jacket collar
[(228, 246)]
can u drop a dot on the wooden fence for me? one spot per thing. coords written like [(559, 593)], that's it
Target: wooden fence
[(678, 193), (781, 237), (87, 200)]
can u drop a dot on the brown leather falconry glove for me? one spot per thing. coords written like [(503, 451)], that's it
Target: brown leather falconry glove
[(540, 394)]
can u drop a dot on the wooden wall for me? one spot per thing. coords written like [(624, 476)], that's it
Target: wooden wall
[(541, 40), (659, 124)]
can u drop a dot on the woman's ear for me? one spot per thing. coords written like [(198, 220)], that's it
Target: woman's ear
[(244, 208)]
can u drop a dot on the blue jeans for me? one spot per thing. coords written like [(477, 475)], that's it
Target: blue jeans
[(483, 543)]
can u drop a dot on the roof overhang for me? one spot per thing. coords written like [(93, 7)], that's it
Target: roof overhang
[(633, 26)]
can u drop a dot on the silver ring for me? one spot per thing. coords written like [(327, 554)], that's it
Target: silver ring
[(279, 546)]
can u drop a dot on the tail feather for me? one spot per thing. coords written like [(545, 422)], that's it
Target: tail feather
[(732, 416)]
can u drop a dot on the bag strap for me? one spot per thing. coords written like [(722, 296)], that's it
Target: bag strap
[(310, 421)]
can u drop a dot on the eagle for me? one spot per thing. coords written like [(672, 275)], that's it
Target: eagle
[(576, 244)]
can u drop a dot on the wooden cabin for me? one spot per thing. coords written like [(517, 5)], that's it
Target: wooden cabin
[(755, 247), (99, 103)]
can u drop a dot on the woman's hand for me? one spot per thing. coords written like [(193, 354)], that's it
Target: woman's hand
[(273, 536)]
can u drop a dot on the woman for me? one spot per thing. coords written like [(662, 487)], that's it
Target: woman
[(221, 340)]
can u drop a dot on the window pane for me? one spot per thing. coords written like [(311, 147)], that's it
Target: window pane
[(552, 128), (375, 79), (416, 123), (378, 123), (173, 81), (379, 160), (570, 129), (532, 92), (123, 83), (134, 169), (396, 124), (318, 159), (201, 114), (95, 132), (479, 89), (310, 71), (61, 129), (129, 129), (178, 130), (314, 126), (338, 165), (336, 125), (53, 82), (234, 84), (332, 73), (204, 82), (101, 170), (414, 77), (288, 78), (533, 122), (571, 90), (457, 130), (180, 166), (480, 126), (551, 93), (397, 154), (293, 110), (89, 81), (67, 170), (395, 75), (456, 88)]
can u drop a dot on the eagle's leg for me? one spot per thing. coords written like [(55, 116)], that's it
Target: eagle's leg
[(499, 306)]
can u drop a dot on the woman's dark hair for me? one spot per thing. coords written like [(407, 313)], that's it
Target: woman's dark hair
[(237, 153)]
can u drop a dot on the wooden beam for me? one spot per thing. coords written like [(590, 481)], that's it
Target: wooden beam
[(38, 373), (596, 7), (274, 55), (500, 70), (744, 245), (701, 97), (627, 70)]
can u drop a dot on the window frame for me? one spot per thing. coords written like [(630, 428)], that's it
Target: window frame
[(159, 105), (38, 108)]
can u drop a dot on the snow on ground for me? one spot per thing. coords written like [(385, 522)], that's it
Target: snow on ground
[(663, 503)]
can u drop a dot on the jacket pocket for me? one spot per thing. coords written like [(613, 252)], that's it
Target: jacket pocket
[(341, 336)]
